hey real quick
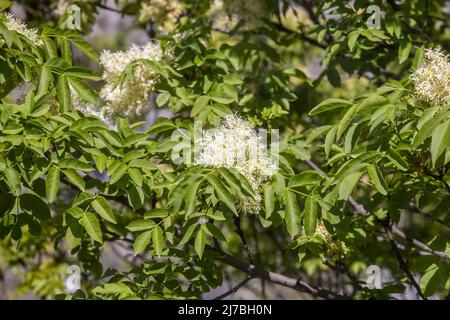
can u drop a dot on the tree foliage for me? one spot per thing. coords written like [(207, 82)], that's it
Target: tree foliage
[(364, 158)]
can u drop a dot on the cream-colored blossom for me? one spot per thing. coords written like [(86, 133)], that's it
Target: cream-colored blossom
[(88, 108), (432, 79), (235, 144), (334, 248), (164, 13), (14, 24), (132, 96)]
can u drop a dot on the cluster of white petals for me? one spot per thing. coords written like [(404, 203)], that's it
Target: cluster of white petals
[(131, 97), (235, 144), (164, 13), (88, 108), (432, 79), (14, 24)]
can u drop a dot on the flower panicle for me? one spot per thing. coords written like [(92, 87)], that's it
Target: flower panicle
[(17, 25), (131, 97), (235, 144), (432, 79)]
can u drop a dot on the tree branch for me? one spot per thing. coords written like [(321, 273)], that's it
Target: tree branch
[(235, 288), (297, 284), (359, 208), (237, 223), (402, 263)]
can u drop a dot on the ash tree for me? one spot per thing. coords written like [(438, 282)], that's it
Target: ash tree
[(356, 100)]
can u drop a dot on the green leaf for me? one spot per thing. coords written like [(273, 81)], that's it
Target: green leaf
[(134, 138), (224, 93), (101, 206), (136, 197), (50, 48), (403, 51), (367, 104), (330, 104), (269, 200), (74, 178), (310, 216), (306, 178), (4, 4), (82, 73), (428, 126), (63, 93), (52, 183), (200, 243), (398, 160), (69, 163), (90, 223), (188, 234), (156, 213), (13, 180), (44, 82), (224, 195), (141, 242), (214, 231), (162, 99), (293, 215), (418, 58), (440, 141), (83, 90), (86, 48), (66, 51), (199, 105), (329, 140), (157, 238), (136, 176), (140, 225), (347, 184), (141, 163), (7, 203), (191, 196), (352, 38), (35, 206), (116, 174), (431, 280), (376, 176)]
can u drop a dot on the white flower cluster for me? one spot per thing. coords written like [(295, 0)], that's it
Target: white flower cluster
[(432, 79), (235, 144), (226, 13), (14, 24), (88, 108), (132, 96), (164, 13)]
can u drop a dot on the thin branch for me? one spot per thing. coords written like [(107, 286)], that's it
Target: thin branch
[(297, 284), (418, 244), (258, 254), (359, 208), (341, 267), (237, 223), (235, 288), (109, 8), (394, 5), (402, 263)]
